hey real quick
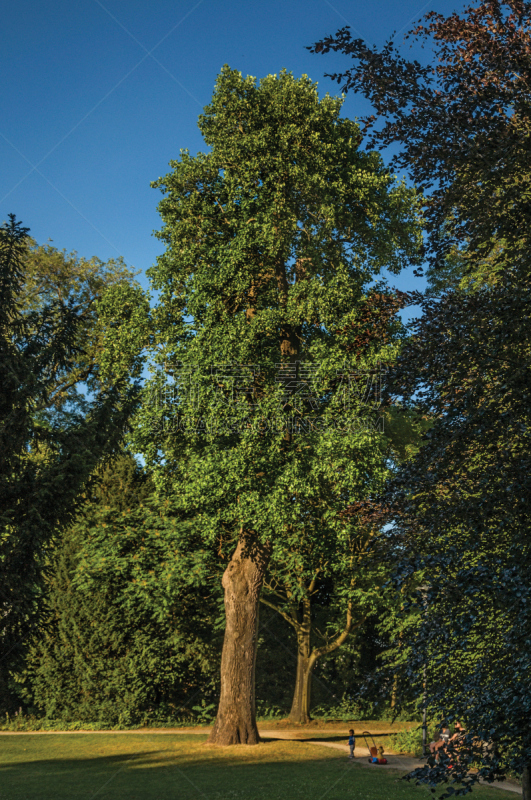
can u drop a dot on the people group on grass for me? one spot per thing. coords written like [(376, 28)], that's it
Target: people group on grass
[(439, 744), (444, 740)]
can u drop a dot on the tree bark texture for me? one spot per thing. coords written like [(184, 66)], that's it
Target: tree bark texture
[(242, 582)]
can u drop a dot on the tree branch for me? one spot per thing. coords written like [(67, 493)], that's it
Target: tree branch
[(283, 614), (338, 641)]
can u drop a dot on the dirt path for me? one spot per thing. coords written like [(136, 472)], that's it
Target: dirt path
[(402, 763), (276, 733)]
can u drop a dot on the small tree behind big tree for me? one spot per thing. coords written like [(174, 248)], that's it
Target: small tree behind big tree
[(271, 237), (325, 600), (325, 585), (120, 643)]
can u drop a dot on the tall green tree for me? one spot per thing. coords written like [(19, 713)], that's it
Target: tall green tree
[(48, 450), (271, 238), (462, 123)]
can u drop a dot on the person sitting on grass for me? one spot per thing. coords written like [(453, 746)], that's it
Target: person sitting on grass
[(455, 744), (459, 734), (442, 741), (351, 743), (458, 739)]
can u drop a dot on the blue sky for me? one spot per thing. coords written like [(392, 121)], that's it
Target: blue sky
[(97, 97)]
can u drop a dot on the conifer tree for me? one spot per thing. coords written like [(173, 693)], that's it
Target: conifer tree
[(111, 651), (49, 443)]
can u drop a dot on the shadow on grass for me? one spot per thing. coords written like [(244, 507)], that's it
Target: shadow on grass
[(64, 769), (321, 737)]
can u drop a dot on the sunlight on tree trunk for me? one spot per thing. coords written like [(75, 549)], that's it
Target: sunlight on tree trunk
[(242, 581)]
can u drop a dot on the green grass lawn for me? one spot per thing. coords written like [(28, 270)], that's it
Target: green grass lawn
[(160, 767)]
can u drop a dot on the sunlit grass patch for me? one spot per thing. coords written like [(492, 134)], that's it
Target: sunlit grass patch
[(163, 766)]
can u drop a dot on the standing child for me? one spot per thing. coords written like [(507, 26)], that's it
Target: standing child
[(351, 743)]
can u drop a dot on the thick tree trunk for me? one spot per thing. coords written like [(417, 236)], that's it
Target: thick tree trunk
[(526, 783), (242, 582)]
